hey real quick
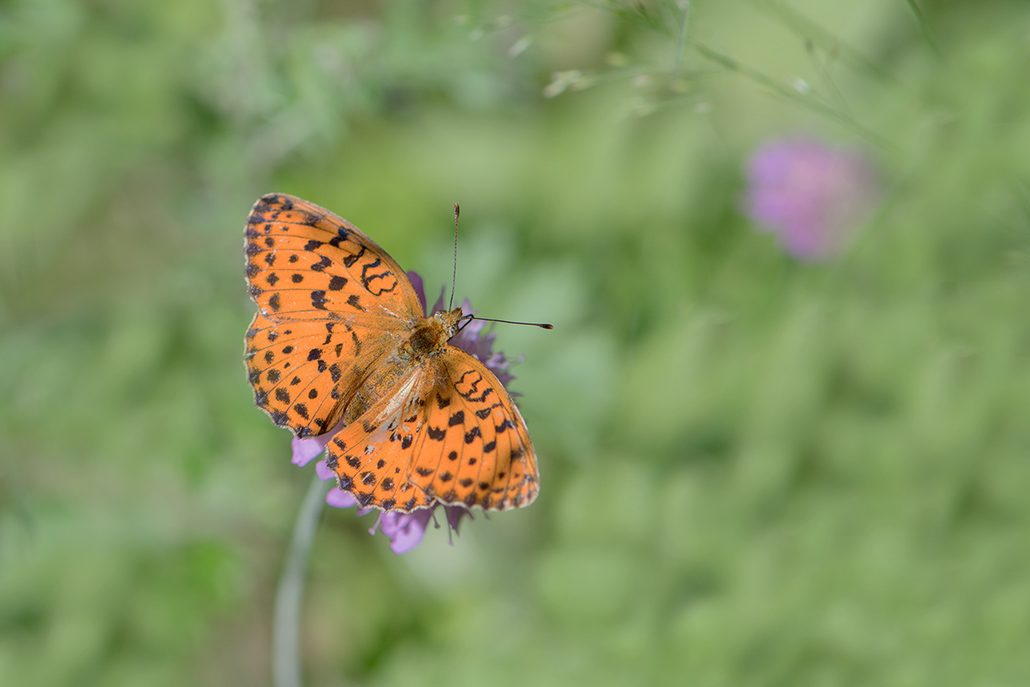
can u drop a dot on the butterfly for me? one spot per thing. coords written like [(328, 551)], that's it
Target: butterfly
[(341, 339)]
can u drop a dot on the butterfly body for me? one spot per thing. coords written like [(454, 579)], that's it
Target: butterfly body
[(342, 342), (429, 336)]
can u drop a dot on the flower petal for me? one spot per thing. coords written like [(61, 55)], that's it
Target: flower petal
[(405, 530), (416, 281), (304, 450), (323, 471), (338, 498), (454, 516), (438, 305)]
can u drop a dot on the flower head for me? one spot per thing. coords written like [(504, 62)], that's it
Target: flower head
[(812, 195), (405, 530)]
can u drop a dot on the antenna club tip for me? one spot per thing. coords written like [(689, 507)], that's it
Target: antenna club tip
[(547, 326)]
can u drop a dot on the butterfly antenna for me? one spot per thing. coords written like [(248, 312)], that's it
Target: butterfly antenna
[(454, 275), (490, 319), (454, 279)]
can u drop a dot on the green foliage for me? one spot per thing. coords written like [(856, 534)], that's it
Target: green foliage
[(755, 471)]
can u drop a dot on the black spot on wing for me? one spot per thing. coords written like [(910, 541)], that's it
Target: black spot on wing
[(483, 413), (349, 261), (473, 394)]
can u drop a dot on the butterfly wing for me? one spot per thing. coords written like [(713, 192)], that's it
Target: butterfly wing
[(331, 304), (450, 433)]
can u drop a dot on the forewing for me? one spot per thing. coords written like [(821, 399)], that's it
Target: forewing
[(330, 302), (306, 263), (450, 433)]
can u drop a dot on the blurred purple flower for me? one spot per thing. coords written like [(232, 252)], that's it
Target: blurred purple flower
[(405, 530), (812, 195)]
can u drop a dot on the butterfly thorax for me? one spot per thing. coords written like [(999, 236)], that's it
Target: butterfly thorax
[(431, 334)]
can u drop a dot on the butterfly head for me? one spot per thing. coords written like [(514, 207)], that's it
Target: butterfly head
[(452, 320)]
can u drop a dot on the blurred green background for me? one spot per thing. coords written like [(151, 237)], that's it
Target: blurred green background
[(755, 471)]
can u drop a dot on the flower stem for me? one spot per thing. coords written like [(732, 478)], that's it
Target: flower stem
[(290, 593), (678, 60)]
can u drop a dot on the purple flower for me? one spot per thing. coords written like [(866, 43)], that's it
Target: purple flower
[(405, 530), (812, 195)]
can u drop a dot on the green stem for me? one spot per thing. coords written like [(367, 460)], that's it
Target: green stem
[(289, 596), (923, 27), (678, 60)]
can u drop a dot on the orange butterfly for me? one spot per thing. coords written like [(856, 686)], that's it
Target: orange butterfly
[(340, 337)]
